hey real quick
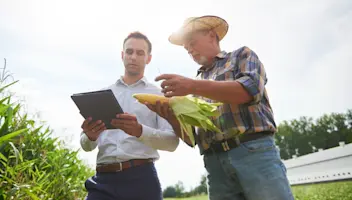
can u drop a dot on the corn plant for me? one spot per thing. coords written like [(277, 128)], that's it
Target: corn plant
[(34, 165)]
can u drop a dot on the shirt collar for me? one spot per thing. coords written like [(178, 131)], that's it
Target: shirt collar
[(219, 56), (143, 80)]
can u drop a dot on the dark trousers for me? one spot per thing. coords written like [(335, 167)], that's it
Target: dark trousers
[(137, 183)]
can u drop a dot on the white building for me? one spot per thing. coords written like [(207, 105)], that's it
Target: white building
[(325, 165)]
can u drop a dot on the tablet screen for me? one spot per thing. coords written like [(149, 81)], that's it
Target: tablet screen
[(100, 105)]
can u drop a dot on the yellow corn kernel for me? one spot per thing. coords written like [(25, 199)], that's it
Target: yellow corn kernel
[(150, 98)]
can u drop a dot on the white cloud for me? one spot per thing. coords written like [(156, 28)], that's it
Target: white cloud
[(56, 48)]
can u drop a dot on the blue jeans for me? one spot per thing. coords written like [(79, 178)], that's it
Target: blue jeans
[(137, 183), (252, 171)]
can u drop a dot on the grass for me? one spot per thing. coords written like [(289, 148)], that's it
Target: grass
[(323, 191), (190, 198)]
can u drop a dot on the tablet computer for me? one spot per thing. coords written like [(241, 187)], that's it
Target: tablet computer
[(99, 105)]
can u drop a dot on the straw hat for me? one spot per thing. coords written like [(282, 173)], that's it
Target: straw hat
[(207, 22)]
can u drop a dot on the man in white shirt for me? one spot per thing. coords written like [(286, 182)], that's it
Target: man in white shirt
[(125, 161)]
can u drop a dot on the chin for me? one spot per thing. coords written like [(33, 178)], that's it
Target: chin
[(202, 61), (133, 73)]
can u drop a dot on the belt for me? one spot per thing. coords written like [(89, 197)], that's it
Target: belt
[(117, 167), (226, 145)]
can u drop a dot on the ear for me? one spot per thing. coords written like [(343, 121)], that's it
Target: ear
[(149, 58), (212, 35), (122, 54)]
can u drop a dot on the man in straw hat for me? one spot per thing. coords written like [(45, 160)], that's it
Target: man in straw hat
[(243, 162)]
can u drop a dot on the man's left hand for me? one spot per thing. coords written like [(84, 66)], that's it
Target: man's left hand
[(176, 85), (128, 123), (164, 111)]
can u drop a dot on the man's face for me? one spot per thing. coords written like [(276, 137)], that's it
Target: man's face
[(135, 56), (200, 45)]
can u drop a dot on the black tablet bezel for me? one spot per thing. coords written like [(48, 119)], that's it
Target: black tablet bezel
[(99, 105)]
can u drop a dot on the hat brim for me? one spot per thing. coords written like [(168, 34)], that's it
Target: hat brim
[(217, 24)]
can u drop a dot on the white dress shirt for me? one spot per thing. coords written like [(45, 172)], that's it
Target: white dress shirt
[(117, 146)]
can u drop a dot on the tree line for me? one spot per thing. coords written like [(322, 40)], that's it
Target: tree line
[(178, 189), (303, 136)]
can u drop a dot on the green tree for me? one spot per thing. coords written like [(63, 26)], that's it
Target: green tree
[(170, 191), (303, 136), (180, 189), (202, 187), (349, 126)]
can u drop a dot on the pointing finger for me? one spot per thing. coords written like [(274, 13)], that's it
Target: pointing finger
[(171, 94), (167, 83), (164, 76), (168, 89)]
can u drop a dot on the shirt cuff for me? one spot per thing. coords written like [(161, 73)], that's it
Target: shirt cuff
[(251, 87), (147, 132), (86, 140)]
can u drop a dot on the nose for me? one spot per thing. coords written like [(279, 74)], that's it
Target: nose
[(188, 48), (133, 56), (190, 51)]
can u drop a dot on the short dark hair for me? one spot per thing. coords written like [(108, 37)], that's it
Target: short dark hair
[(139, 35)]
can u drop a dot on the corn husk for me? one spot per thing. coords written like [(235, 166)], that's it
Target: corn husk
[(189, 111)]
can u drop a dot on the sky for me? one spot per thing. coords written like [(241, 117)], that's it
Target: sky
[(57, 48)]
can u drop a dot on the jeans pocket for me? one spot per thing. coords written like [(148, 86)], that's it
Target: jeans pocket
[(283, 167), (205, 158), (89, 184), (259, 145)]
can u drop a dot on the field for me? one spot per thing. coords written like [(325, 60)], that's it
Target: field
[(325, 191)]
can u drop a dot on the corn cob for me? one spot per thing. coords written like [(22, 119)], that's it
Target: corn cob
[(150, 98)]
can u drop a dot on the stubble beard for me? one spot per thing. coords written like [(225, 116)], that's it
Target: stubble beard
[(132, 74), (203, 60)]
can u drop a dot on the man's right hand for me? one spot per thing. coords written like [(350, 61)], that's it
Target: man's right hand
[(93, 129), (164, 111)]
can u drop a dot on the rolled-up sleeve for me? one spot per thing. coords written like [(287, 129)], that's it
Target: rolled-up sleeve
[(161, 137), (251, 74), (86, 143)]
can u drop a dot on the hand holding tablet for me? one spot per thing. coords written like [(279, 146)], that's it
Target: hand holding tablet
[(98, 105)]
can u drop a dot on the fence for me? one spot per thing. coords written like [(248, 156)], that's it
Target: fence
[(325, 165)]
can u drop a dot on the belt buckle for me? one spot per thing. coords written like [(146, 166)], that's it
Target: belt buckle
[(120, 164), (225, 146)]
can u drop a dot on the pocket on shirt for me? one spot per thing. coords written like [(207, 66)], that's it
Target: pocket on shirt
[(224, 74)]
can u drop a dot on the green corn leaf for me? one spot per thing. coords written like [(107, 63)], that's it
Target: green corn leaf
[(182, 105), (186, 128), (11, 135), (6, 86), (4, 99), (3, 109), (2, 157), (191, 111), (15, 150), (191, 121)]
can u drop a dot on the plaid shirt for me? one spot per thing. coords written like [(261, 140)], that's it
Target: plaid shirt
[(243, 66)]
